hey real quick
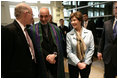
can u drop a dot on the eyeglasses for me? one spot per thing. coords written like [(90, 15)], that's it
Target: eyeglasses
[(30, 13)]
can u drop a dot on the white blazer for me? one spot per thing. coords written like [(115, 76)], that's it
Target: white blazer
[(71, 42)]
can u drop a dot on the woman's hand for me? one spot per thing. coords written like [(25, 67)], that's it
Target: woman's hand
[(81, 65)]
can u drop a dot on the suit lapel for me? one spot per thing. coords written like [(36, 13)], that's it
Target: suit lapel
[(112, 21), (19, 31), (20, 34), (110, 29), (88, 26)]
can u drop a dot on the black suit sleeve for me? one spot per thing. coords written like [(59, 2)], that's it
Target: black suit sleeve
[(102, 42), (92, 24), (6, 50)]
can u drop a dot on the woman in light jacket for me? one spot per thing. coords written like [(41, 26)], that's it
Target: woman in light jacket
[(80, 48)]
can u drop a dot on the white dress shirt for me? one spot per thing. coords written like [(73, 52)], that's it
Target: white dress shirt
[(85, 23), (114, 22)]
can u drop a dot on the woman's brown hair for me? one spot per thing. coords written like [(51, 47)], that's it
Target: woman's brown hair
[(78, 15)]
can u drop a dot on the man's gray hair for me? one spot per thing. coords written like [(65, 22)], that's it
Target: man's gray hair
[(19, 9)]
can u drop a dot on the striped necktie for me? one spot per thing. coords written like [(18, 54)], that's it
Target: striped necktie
[(29, 41)]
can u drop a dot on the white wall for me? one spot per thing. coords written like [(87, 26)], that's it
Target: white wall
[(56, 11)]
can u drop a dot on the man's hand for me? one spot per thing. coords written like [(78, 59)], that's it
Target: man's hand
[(51, 58), (99, 55)]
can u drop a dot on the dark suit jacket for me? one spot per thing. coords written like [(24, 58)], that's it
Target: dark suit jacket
[(65, 28), (70, 27), (108, 44), (54, 23), (91, 26), (16, 59)]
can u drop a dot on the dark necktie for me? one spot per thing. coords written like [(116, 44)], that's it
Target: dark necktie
[(30, 44), (115, 30)]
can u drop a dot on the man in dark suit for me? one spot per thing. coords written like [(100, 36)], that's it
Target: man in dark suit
[(64, 29), (108, 46), (88, 24), (18, 58)]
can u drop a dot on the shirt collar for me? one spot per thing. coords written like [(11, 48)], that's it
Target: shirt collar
[(86, 21), (21, 25), (115, 19)]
